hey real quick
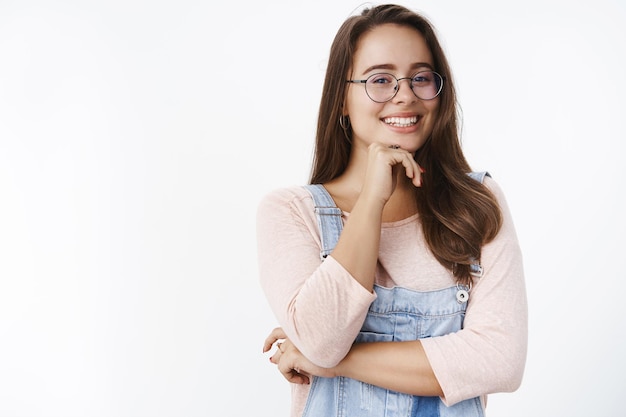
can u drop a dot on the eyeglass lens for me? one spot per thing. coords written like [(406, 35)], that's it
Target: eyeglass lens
[(383, 87)]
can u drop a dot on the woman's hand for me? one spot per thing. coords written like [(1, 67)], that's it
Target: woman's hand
[(383, 167), (294, 366), (398, 366)]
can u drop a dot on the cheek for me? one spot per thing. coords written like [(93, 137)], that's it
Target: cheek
[(360, 108), (433, 106), (433, 119), (364, 117), (433, 111), (350, 101)]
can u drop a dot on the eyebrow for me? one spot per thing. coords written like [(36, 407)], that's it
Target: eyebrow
[(415, 65)]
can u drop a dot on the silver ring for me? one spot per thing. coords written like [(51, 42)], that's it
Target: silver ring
[(394, 146)]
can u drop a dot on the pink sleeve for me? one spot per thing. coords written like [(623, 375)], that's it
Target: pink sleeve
[(489, 354), (320, 306)]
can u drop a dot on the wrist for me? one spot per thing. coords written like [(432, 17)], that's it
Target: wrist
[(369, 202), (342, 368)]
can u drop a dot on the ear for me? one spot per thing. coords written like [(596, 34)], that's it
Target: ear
[(344, 106)]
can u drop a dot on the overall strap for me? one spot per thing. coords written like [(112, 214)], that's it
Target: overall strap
[(328, 218), (479, 175), (330, 223)]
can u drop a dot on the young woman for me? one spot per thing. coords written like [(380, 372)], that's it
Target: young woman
[(397, 278)]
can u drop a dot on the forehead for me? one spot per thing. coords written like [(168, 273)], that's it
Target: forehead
[(393, 46)]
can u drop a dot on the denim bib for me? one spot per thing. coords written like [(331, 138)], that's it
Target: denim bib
[(397, 314)]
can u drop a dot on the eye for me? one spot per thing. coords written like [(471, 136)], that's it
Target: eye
[(381, 79), (422, 78)]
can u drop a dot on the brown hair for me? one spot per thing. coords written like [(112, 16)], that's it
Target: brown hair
[(458, 214)]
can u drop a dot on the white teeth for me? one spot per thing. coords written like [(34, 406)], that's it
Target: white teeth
[(401, 121)]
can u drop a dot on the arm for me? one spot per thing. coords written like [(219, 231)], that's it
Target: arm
[(487, 356), (358, 247), (398, 366), (322, 307)]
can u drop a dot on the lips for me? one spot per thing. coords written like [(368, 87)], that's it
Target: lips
[(401, 121)]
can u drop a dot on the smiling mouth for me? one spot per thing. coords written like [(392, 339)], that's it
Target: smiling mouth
[(401, 121)]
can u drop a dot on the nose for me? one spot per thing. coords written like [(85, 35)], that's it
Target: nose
[(404, 94)]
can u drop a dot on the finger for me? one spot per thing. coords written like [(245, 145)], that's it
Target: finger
[(267, 345), (411, 168), (281, 348), (292, 375), (414, 172), (286, 345), (276, 334), (298, 378), (275, 358), (421, 175)]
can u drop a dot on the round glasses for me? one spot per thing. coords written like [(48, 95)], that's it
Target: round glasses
[(382, 87)]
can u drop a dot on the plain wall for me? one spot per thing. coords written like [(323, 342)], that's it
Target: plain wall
[(137, 137)]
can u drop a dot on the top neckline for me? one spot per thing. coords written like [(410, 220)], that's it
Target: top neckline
[(396, 223)]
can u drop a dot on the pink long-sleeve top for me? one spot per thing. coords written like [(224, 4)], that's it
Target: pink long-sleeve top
[(321, 307)]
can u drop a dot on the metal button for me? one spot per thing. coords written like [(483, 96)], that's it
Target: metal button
[(462, 296)]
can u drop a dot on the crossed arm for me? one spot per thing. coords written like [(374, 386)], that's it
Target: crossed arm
[(398, 366), (487, 356)]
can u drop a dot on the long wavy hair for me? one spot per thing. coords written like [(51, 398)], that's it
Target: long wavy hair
[(458, 214)]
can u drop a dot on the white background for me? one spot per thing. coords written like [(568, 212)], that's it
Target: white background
[(137, 137)]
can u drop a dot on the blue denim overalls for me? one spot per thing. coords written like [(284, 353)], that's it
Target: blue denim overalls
[(397, 314)]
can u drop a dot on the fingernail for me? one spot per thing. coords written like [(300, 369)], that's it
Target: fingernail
[(422, 170)]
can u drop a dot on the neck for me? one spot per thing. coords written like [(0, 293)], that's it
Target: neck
[(346, 189), (402, 202)]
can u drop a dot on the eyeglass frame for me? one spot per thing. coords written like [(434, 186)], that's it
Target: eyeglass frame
[(397, 87)]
